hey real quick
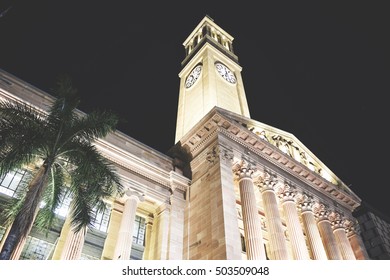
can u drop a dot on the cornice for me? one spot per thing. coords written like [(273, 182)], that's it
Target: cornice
[(197, 141), (167, 179)]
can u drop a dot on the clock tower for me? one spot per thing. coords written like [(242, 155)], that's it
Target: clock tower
[(211, 77)]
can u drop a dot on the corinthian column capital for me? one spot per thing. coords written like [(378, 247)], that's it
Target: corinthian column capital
[(287, 193), (305, 202), (266, 182), (351, 228), (321, 211), (244, 169), (337, 220)]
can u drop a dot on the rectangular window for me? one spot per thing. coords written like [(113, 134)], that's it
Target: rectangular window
[(10, 182), (101, 220), (36, 249), (139, 231)]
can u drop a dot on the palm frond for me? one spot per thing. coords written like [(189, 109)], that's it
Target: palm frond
[(18, 113), (52, 196), (62, 138), (82, 210), (93, 179), (67, 101), (21, 135), (12, 207), (94, 168), (95, 125)]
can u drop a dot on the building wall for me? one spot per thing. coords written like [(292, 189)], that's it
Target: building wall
[(151, 175), (197, 215), (375, 232)]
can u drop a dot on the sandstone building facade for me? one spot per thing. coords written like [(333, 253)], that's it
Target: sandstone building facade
[(230, 188)]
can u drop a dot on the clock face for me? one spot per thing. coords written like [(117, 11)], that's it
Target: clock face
[(225, 72), (193, 76)]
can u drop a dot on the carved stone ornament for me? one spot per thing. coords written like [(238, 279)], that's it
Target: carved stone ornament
[(286, 193), (321, 211), (244, 169), (305, 202), (213, 155), (266, 182), (227, 155), (337, 220)]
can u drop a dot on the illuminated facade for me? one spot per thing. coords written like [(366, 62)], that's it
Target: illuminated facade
[(230, 188)]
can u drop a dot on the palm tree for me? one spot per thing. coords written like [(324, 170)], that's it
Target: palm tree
[(60, 144)]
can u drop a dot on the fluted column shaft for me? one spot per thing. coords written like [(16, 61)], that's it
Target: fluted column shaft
[(341, 239), (358, 247), (326, 231), (312, 232), (251, 220), (274, 224), (329, 240), (74, 243), (125, 235), (294, 227), (345, 246)]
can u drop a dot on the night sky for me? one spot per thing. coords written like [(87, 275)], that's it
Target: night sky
[(317, 70)]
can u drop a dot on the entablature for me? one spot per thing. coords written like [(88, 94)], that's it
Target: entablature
[(218, 122)]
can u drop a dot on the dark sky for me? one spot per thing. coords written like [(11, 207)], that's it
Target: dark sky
[(316, 69)]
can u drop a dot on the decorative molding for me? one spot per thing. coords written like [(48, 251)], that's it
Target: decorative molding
[(321, 211), (337, 220), (267, 182), (227, 155), (244, 169), (286, 193), (254, 143), (305, 202), (212, 156)]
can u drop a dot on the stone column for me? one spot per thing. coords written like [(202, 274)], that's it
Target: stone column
[(326, 231), (276, 234), (148, 238), (125, 236), (287, 196), (70, 243), (341, 237), (250, 214), (353, 233), (310, 225), (73, 245)]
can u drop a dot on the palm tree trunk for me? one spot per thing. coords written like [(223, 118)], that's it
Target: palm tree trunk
[(25, 218), (10, 243)]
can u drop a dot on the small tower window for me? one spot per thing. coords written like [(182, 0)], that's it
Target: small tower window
[(219, 39)]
